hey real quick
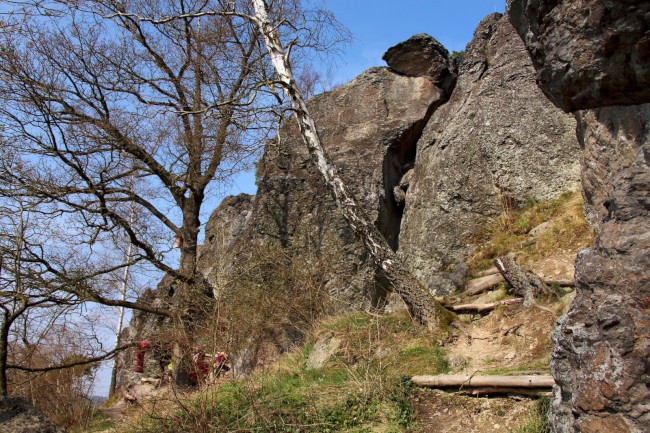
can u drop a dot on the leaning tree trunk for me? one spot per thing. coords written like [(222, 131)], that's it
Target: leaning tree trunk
[(522, 283), (420, 303)]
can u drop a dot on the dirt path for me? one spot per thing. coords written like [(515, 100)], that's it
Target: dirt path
[(442, 412), (509, 340)]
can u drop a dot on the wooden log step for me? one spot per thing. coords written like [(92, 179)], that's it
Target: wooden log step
[(469, 381), (487, 272), (528, 392), (479, 285), (482, 308)]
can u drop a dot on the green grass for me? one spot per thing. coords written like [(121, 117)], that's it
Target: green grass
[(307, 401), (421, 359), (537, 421), (361, 389), (98, 423)]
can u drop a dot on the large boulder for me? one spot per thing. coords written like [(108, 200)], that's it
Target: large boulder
[(421, 56), (602, 347), (498, 143), (589, 53), (593, 54)]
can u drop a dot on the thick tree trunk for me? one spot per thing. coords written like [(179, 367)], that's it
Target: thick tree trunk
[(420, 303), (4, 353), (190, 299)]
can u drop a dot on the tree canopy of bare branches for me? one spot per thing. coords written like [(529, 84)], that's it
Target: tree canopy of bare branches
[(122, 118)]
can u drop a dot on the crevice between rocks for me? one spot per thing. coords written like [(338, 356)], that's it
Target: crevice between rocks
[(398, 165)]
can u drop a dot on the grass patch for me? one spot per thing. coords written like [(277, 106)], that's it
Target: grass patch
[(99, 423), (363, 387), (392, 344), (568, 231), (421, 359), (308, 401), (537, 421)]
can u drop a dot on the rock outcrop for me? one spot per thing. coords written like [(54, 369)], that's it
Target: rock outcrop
[(600, 361), (422, 56), (496, 144), (433, 150), (224, 230), (588, 53), (369, 128), (18, 416)]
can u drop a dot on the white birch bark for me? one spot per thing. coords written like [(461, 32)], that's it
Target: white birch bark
[(420, 303)]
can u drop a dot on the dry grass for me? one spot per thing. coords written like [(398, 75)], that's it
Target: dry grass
[(568, 232), (360, 389)]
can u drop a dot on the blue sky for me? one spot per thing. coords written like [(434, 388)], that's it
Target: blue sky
[(377, 25)]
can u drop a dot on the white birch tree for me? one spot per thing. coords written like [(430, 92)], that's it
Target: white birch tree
[(420, 303)]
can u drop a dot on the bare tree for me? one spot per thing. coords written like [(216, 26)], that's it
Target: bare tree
[(94, 97), (31, 300), (95, 94)]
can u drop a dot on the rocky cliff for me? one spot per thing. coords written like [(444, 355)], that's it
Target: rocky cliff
[(433, 148), (370, 128), (588, 53), (497, 144), (592, 54)]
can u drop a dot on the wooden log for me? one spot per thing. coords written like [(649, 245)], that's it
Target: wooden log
[(536, 392), (482, 308), (494, 271), (491, 271), (469, 381), (479, 285), (561, 283)]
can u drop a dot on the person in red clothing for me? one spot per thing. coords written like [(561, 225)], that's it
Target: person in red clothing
[(220, 364), (140, 349), (200, 368)]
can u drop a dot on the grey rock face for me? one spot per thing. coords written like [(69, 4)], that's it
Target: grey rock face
[(18, 416), (600, 361), (326, 346), (497, 143), (420, 56), (369, 128), (224, 229), (602, 346), (589, 53)]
